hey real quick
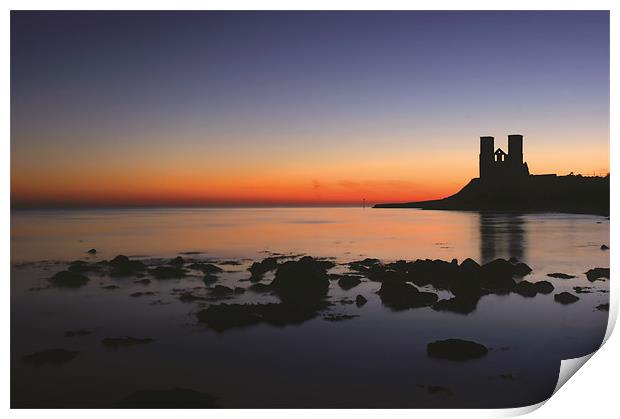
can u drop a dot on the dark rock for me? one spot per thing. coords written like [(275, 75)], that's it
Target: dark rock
[(565, 298), (513, 260), (220, 291), (347, 282), (73, 333), (223, 317), (302, 281), (110, 287), (604, 247), (526, 289), (81, 266), (123, 266), (176, 398), (230, 262), (177, 261), (188, 297), (560, 275), (260, 288), (544, 287), (209, 279), (68, 279), (144, 281), (92, 251), (582, 290), (603, 307), (207, 268), (168, 272), (125, 341), (521, 269), (460, 304), (258, 269), (239, 290), (401, 295), (363, 266), (456, 349), (360, 300), (50, 357), (497, 275), (597, 273)]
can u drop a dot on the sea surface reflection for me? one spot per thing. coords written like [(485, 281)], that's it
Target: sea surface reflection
[(377, 359)]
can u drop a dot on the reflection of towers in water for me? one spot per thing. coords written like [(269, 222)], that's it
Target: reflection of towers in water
[(501, 236)]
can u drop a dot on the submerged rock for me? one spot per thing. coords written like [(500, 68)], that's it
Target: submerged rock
[(565, 298), (110, 287), (222, 317), (168, 272), (140, 294), (360, 300), (456, 349), (92, 251), (582, 290), (207, 268), (339, 317), (560, 275), (125, 341), (50, 357), (603, 307), (68, 279), (401, 295), (597, 273), (176, 398), (144, 281), (302, 281)]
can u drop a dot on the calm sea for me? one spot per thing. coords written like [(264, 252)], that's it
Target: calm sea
[(377, 359)]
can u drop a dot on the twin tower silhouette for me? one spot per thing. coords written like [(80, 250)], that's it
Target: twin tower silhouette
[(498, 165)]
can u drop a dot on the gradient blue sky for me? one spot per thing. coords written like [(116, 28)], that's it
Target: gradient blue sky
[(156, 107)]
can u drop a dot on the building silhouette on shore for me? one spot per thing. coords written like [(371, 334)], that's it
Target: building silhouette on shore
[(499, 166)]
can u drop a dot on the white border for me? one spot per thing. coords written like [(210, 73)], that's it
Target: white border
[(592, 393)]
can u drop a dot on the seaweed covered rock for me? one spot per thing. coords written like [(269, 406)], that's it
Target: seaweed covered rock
[(176, 398), (301, 281), (456, 349), (68, 279), (402, 295)]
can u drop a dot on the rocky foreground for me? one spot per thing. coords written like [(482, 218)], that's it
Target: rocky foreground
[(301, 285)]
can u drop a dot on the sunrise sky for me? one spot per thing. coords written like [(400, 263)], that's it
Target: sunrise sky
[(305, 108)]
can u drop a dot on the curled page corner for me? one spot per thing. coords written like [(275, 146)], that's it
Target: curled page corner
[(568, 367)]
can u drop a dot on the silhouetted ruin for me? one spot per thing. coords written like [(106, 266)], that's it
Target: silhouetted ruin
[(505, 184)]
